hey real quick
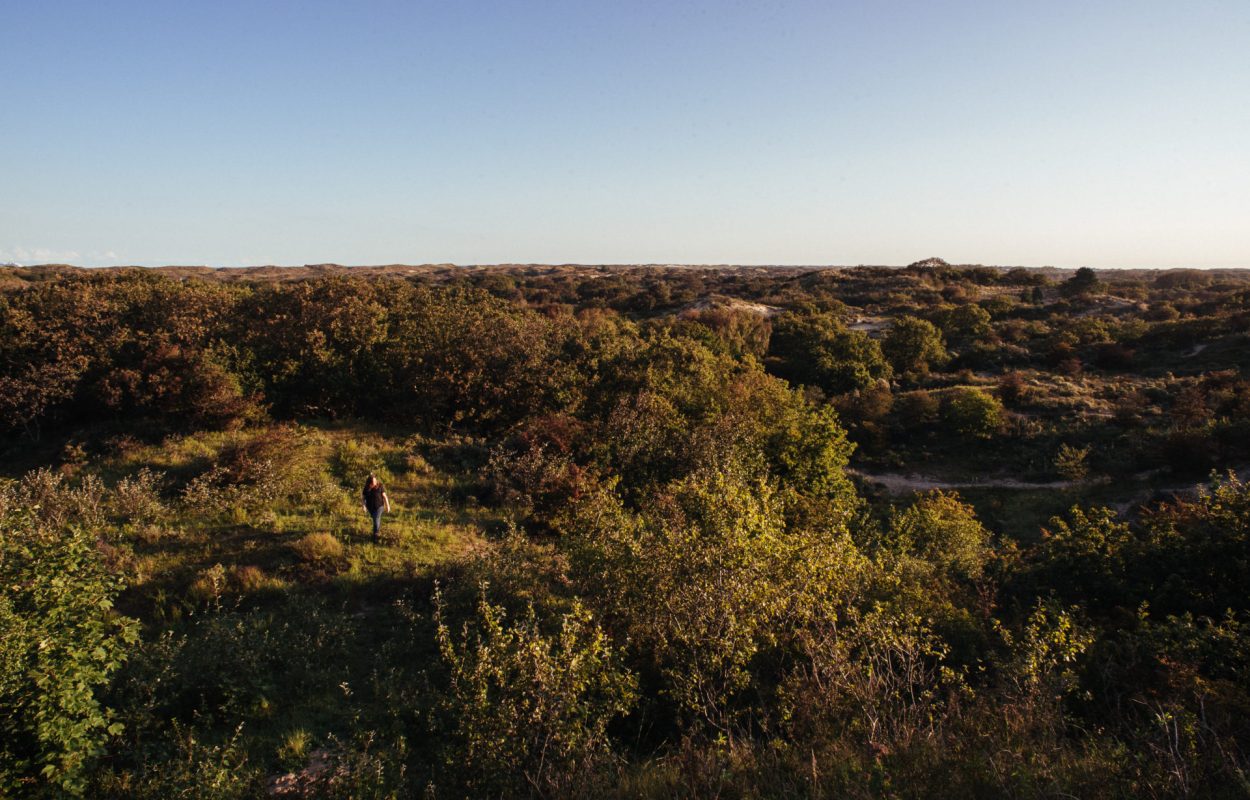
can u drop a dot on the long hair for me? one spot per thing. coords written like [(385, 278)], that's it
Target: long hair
[(371, 481)]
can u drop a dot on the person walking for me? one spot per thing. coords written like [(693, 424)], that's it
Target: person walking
[(375, 500)]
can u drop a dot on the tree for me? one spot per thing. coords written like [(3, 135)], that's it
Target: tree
[(319, 343), (913, 345), (130, 344), (465, 357)]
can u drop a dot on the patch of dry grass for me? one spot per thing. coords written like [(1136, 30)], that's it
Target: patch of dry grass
[(319, 548)]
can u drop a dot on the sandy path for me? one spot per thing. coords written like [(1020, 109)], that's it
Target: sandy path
[(898, 484)]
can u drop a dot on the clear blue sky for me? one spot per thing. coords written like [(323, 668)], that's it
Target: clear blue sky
[(1107, 133)]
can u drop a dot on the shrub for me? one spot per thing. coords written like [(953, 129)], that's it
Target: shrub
[(1162, 312), (1196, 553), (1083, 282), (362, 769), (528, 711), (60, 641), (1043, 655), (208, 494), (261, 459), (913, 345), (60, 502), (318, 547), (1113, 356), (808, 450), (1190, 407), (964, 324), (197, 770), (916, 409), (866, 407), (354, 460), (707, 579), (254, 470), (209, 585), (535, 482), (1070, 462), (1013, 389), (972, 412), (456, 357), (818, 350), (1086, 556), (877, 676), (941, 529), (135, 498)]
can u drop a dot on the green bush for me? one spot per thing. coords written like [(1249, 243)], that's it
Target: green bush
[(1070, 462), (972, 413), (60, 641), (818, 350), (526, 710), (707, 579), (913, 345), (354, 460), (941, 529)]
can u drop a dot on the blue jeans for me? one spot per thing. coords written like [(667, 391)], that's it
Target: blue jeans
[(377, 520)]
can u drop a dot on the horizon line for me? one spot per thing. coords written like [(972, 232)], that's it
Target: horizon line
[(606, 265)]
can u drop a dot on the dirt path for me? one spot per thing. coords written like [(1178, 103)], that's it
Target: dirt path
[(901, 484), (898, 484)]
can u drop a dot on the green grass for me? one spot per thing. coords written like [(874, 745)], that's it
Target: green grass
[(260, 529), (265, 602)]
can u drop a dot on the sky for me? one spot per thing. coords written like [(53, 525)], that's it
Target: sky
[(1113, 133)]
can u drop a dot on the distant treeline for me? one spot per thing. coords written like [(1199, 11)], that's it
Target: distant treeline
[(489, 347)]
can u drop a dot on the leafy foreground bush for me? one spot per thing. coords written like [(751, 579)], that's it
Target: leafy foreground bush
[(527, 711), (60, 641)]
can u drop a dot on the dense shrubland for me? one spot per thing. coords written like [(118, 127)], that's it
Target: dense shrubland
[(629, 555)]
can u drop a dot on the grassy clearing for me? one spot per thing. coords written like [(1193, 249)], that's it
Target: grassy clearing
[(253, 515), (266, 604), (261, 524)]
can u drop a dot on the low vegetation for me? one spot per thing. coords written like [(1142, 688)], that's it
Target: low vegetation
[(647, 535)]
